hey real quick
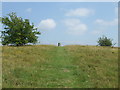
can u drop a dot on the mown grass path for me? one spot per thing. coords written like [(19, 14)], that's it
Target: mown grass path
[(58, 69), (62, 72)]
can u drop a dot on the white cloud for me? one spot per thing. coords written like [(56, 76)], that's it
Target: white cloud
[(29, 10), (103, 25), (75, 27), (47, 24), (80, 12), (107, 23), (97, 32)]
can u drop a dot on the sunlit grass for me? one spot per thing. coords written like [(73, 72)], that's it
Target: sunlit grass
[(48, 66)]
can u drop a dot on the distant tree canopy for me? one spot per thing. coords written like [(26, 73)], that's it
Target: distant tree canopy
[(18, 32), (104, 41)]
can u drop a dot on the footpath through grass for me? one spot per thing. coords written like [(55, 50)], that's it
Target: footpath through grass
[(43, 66)]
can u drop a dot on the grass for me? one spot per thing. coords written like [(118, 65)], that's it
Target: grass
[(47, 66)]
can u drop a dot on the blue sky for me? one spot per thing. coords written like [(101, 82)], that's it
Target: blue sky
[(69, 22)]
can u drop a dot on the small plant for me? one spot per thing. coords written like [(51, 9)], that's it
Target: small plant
[(104, 41)]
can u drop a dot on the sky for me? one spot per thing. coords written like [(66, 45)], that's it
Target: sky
[(70, 23)]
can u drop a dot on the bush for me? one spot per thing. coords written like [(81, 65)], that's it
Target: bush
[(104, 41)]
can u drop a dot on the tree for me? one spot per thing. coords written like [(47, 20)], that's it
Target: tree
[(104, 41), (17, 31)]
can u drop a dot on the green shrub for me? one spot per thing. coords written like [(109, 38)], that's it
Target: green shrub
[(104, 41)]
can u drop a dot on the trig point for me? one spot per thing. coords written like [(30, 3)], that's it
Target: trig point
[(59, 44)]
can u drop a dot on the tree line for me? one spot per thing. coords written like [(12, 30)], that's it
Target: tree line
[(18, 32)]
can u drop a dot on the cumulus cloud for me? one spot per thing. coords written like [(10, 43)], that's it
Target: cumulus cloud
[(107, 23), (80, 12), (47, 24), (75, 27), (29, 10), (103, 25), (97, 32)]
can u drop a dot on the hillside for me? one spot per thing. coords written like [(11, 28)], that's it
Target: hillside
[(47, 66)]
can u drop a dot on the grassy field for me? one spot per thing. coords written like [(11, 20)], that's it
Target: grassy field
[(47, 66)]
